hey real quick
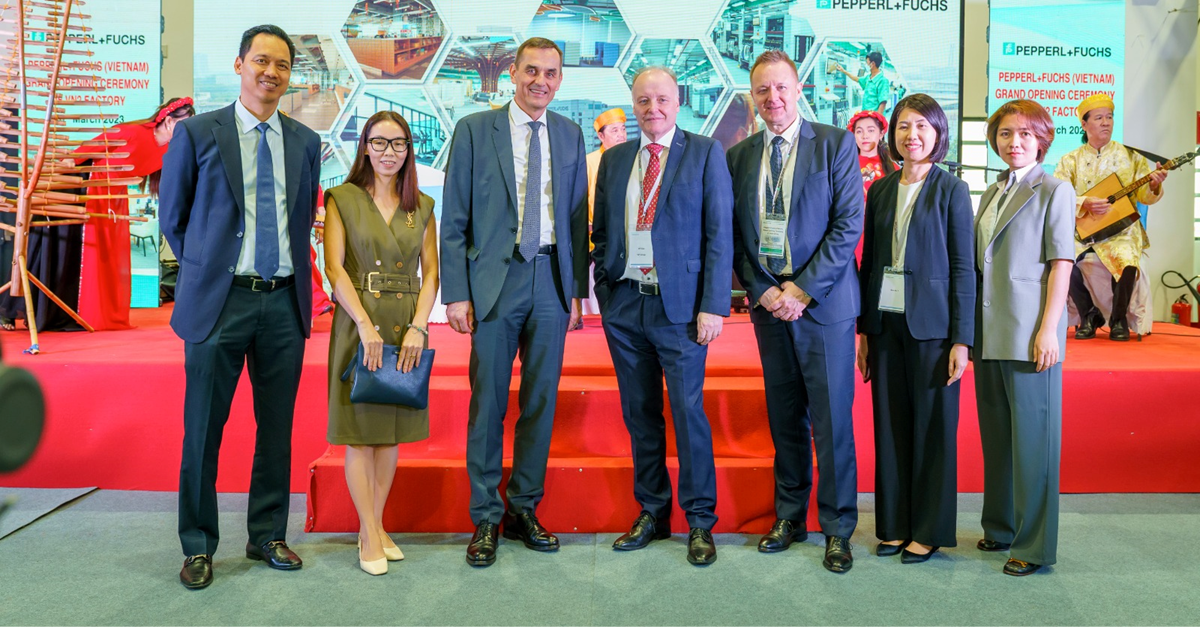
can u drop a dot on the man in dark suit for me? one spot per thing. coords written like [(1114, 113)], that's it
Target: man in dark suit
[(798, 217), (662, 231), (514, 265), (238, 198)]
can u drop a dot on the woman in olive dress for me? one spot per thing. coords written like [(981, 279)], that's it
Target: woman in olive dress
[(379, 229)]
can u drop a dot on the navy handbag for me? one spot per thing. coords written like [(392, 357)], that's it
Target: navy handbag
[(387, 385)]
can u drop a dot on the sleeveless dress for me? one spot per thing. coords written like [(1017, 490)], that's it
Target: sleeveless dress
[(372, 246)]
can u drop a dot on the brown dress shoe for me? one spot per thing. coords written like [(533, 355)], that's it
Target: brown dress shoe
[(197, 572)]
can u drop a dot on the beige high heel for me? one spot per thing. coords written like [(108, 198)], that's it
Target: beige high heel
[(393, 554), (372, 567)]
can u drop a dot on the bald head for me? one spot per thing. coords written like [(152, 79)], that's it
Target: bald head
[(655, 100)]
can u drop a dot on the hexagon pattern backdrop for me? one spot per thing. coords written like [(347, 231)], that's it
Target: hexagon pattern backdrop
[(437, 61)]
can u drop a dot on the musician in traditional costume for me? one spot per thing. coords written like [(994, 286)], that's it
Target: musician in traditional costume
[(610, 128), (1120, 255)]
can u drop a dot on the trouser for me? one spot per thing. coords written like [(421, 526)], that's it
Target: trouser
[(1122, 292)]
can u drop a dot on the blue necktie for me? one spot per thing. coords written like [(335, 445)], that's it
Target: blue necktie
[(776, 264), (266, 230), (531, 222)]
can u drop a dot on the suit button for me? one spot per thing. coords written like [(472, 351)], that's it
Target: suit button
[(378, 262), (399, 295), (399, 264), (987, 303), (987, 259), (377, 295), (756, 242), (513, 229), (505, 261), (230, 268), (239, 233), (622, 255), (396, 329)]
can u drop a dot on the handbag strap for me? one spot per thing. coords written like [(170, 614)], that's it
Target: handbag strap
[(356, 359)]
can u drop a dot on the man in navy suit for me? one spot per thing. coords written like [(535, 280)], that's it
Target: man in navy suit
[(514, 266), (662, 231), (238, 198), (798, 218)]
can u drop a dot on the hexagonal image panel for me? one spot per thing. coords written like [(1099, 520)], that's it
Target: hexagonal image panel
[(474, 77), (394, 39), (413, 104), (487, 17), (745, 30), (737, 119), (700, 84), (321, 83), (591, 33), (668, 19), (586, 93), (333, 166), (835, 78)]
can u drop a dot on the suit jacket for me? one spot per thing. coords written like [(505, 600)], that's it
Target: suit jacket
[(691, 236), (203, 215), (1037, 227), (824, 223), (939, 268), (479, 209)]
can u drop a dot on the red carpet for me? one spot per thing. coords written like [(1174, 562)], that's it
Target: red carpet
[(115, 403)]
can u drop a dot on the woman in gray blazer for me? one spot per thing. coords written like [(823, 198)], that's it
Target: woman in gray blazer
[(917, 323), (1024, 253)]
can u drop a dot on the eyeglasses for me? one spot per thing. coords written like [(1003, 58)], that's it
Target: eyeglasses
[(380, 144)]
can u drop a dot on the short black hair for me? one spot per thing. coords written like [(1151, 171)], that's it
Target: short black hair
[(266, 29), (876, 58), (931, 111)]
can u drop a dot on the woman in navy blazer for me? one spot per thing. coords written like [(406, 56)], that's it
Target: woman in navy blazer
[(917, 322)]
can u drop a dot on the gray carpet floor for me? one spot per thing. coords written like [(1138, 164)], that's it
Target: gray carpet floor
[(112, 558)]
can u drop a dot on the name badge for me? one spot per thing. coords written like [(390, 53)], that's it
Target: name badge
[(891, 293), (774, 235), (641, 253)]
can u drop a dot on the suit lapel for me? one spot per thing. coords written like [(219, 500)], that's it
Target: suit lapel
[(750, 182), (618, 183), (984, 201), (678, 145), (226, 136), (555, 168), (886, 230), (1020, 198), (805, 146), (502, 139), (293, 160)]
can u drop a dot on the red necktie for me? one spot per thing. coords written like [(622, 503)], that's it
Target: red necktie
[(649, 202)]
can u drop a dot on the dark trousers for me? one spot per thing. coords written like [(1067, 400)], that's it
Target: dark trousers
[(808, 373), (262, 330), (529, 320), (916, 435), (1122, 292), (1020, 427), (646, 347)]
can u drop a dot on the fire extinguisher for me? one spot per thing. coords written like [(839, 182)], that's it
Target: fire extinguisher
[(1181, 311)]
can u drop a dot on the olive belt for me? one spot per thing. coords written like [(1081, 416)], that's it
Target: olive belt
[(375, 282)]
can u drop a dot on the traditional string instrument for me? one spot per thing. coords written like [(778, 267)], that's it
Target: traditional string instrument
[(1096, 228)]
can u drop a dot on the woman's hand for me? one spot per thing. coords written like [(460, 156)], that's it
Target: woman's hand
[(862, 358), (1045, 349), (958, 362), (410, 350), (372, 345)]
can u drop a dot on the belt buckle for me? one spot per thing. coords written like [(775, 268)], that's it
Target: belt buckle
[(255, 282), (371, 282), (647, 289)]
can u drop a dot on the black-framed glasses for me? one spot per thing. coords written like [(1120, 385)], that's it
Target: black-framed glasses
[(380, 144)]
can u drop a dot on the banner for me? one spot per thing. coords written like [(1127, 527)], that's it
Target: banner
[(1057, 53)]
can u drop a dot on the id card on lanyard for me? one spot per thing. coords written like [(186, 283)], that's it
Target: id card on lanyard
[(891, 292), (773, 239), (641, 249)]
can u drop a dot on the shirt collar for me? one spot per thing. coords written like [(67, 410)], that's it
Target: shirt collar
[(664, 141), (518, 117), (1015, 178), (249, 122), (788, 133)]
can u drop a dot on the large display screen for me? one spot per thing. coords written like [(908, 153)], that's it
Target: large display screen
[(1057, 53), (438, 61)]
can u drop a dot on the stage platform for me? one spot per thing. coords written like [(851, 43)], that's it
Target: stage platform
[(115, 421)]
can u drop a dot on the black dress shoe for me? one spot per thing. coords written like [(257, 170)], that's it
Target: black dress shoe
[(1018, 568), (482, 549), (908, 557), (991, 546), (1088, 325), (702, 551), (781, 536), (526, 528), (1118, 331), (888, 550), (197, 572), (645, 529), (276, 554), (838, 558)]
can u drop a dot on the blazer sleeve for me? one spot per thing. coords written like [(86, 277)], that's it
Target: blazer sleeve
[(867, 268), (960, 244), (600, 229), (177, 190), (1059, 233), (743, 260), (456, 216), (718, 232), (845, 225), (315, 181), (579, 221)]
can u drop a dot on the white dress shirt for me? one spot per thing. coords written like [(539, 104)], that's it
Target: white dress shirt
[(633, 198), (789, 135), (990, 217), (906, 198), (518, 126), (248, 143)]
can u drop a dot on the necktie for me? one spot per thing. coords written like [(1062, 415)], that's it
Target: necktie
[(266, 229), (531, 222), (776, 264), (649, 204)]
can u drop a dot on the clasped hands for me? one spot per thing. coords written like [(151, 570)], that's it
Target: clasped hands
[(410, 348), (786, 302)]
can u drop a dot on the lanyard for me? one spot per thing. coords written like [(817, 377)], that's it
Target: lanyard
[(773, 191)]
